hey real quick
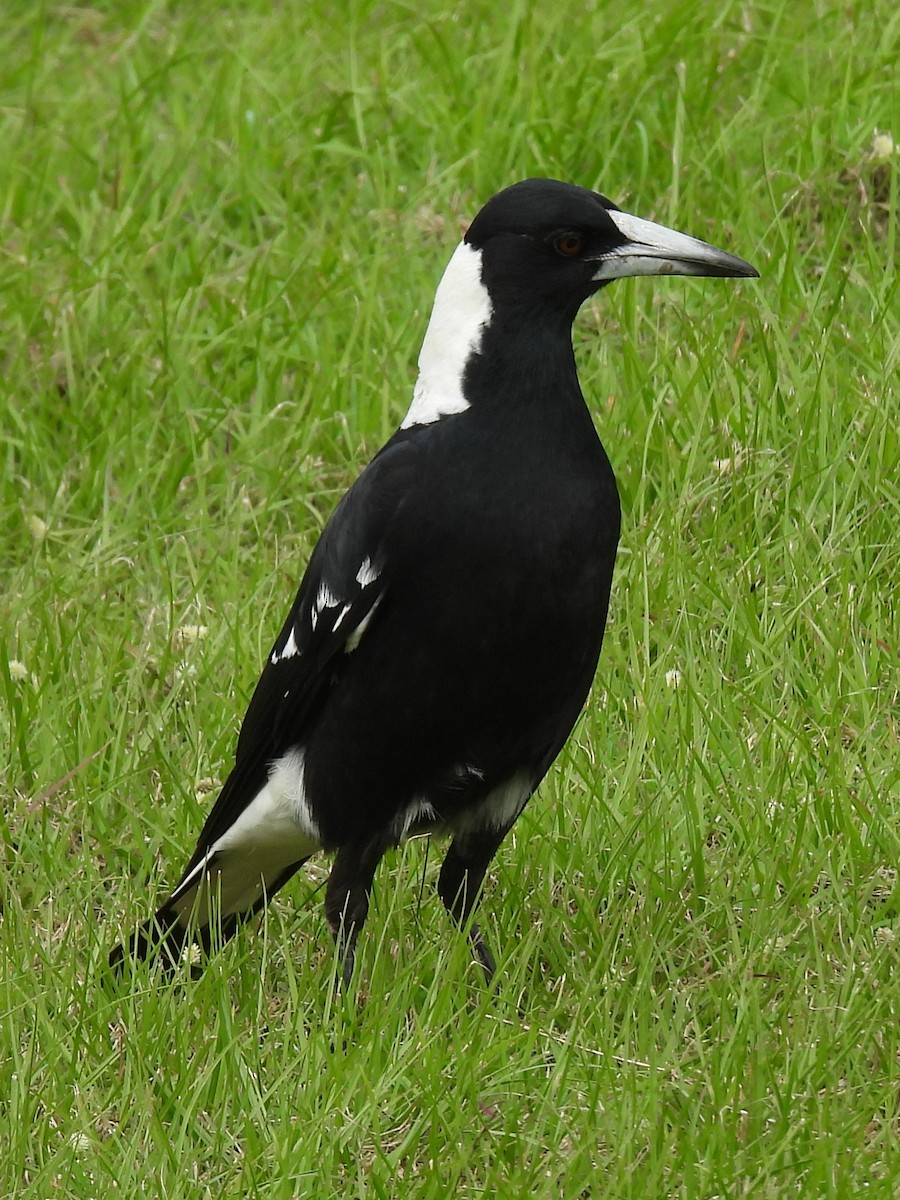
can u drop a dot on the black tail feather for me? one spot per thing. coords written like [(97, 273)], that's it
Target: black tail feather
[(161, 937), (164, 937)]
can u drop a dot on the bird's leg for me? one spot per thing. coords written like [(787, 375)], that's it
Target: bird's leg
[(460, 883), (347, 896)]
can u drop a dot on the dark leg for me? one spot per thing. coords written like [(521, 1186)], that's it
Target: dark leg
[(460, 883), (347, 895)]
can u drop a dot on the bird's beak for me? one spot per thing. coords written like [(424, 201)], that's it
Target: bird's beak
[(651, 249)]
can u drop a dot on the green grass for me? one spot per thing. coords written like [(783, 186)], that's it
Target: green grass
[(220, 231)]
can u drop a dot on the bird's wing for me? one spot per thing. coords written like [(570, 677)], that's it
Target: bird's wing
[(345, 583)]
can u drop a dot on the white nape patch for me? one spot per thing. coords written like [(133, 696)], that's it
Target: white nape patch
[(290, 649), (498, 809), (415, 811), (356, 636), (366, 574), (654, 249), (274, 831), (462, 309)]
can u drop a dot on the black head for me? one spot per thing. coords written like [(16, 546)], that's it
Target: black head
[(550, 244)]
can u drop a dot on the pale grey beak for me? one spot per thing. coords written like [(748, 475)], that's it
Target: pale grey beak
[(653, 249)]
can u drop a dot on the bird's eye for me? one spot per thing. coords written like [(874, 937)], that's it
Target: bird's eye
[(568, 244)]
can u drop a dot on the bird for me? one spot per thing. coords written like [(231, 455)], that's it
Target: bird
[(448, 626)]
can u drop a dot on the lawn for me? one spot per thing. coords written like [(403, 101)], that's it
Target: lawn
[(221, 226)]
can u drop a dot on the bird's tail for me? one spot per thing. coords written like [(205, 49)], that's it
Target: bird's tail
[(162, 937), (197, 914)]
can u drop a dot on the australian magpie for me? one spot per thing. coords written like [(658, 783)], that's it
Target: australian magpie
[(448, 626)]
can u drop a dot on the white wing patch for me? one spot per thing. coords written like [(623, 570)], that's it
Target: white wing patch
[(341, 615), (367, 573), (290, 649), (356, 636), (326, 598), (462, 310)]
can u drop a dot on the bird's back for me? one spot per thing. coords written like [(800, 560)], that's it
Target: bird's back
[(498, 566)]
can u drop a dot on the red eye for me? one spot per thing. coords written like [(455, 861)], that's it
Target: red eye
[(568, 244)]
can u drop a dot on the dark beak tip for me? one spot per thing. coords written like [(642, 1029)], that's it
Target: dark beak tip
[(739, 270)]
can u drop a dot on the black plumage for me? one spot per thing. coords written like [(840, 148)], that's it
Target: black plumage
[(448, 626)]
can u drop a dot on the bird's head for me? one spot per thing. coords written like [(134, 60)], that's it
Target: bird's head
[(529, 260), (554, 244)]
